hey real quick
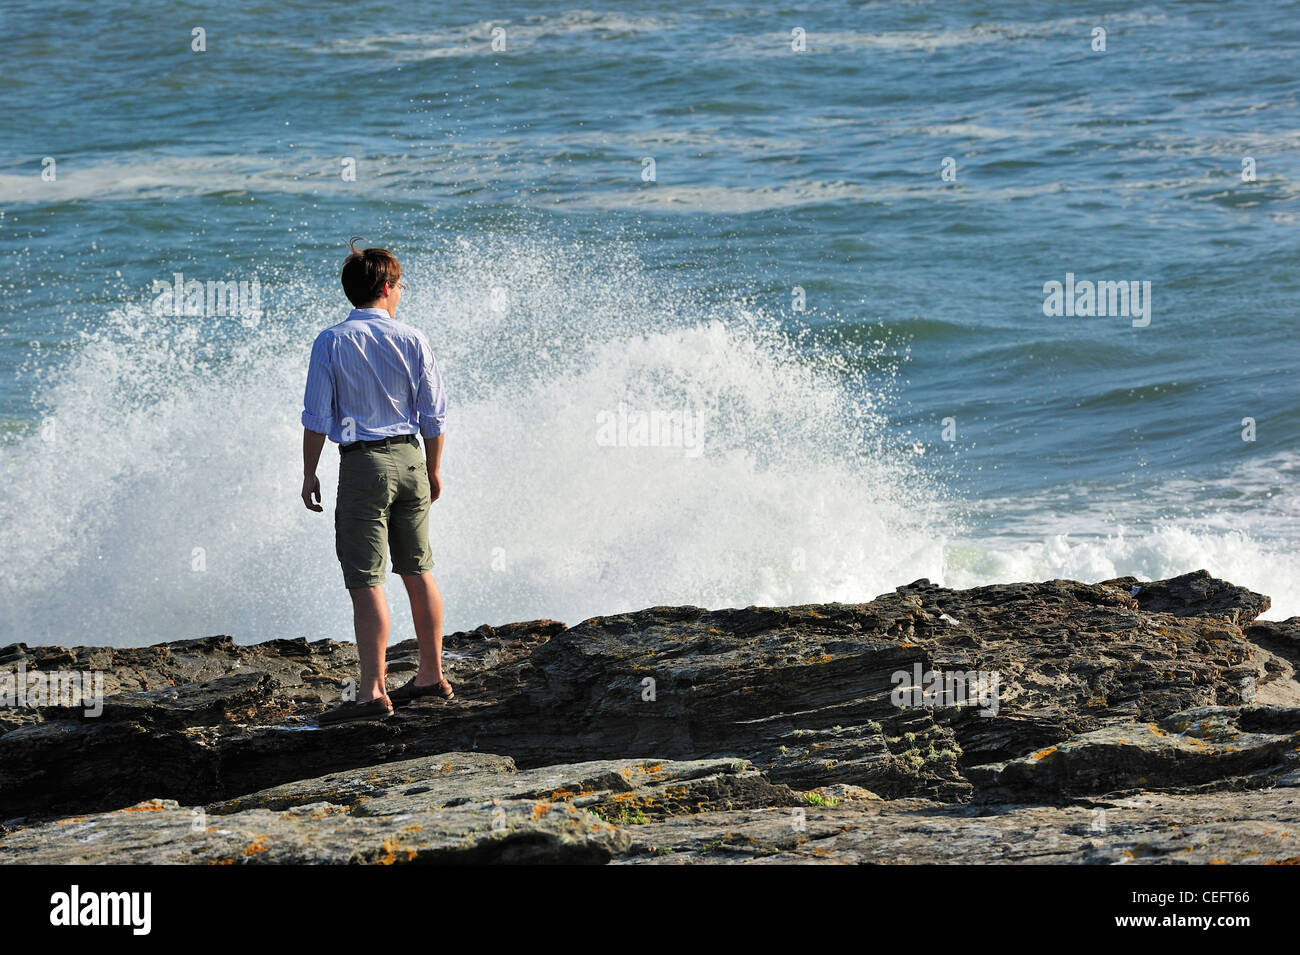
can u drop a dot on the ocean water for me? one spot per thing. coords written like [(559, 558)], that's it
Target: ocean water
[(858, 343)]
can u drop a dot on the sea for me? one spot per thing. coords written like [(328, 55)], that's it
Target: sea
[(735, 303)]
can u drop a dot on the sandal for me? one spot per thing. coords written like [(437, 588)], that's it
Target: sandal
[(409, 691), (377, 708)]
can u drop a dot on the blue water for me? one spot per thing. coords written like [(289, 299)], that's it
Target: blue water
[(151, 462)]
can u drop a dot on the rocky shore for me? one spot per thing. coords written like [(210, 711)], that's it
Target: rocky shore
[(1133, 722)]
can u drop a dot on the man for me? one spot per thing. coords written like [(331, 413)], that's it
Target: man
[(372, 385)]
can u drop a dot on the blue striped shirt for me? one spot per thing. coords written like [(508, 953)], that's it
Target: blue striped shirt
[(370, 377)]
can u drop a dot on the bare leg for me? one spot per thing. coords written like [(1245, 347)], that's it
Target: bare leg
[(370, 620), (426, 613)]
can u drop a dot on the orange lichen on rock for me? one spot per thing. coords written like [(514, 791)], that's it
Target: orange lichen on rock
[(391, 850)]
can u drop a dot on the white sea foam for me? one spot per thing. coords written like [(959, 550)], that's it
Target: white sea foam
[(1242, 526), (795, 498)]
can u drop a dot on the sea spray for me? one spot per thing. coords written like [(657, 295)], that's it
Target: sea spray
[(185, 519)]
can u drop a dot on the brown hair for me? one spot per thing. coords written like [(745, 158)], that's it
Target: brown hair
[(366, 270)]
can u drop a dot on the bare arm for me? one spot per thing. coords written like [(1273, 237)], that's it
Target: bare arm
[(312, 442), (433, 461)]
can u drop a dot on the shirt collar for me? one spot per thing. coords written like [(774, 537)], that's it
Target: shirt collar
[(369, 313)]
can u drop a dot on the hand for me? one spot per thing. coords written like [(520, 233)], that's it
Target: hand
[(435, 486), (310, 489)]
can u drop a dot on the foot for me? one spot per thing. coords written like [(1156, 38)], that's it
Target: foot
[(412, 690), (380, 708)]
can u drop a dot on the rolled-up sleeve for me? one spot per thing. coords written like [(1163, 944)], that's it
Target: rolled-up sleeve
[(431, 398), (318, 400)]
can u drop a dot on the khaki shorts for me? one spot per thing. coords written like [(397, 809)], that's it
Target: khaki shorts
[(383, 507)]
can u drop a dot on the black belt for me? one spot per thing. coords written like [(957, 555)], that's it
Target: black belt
[(378, 443)]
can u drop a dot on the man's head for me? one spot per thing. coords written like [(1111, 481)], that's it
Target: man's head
[(372, 277)]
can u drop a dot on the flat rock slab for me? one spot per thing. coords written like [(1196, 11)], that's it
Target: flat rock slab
[(446, 773), (619, 789), (161, 832), (1252, 828), (395, 814), (453, 807), (1209, 745)]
